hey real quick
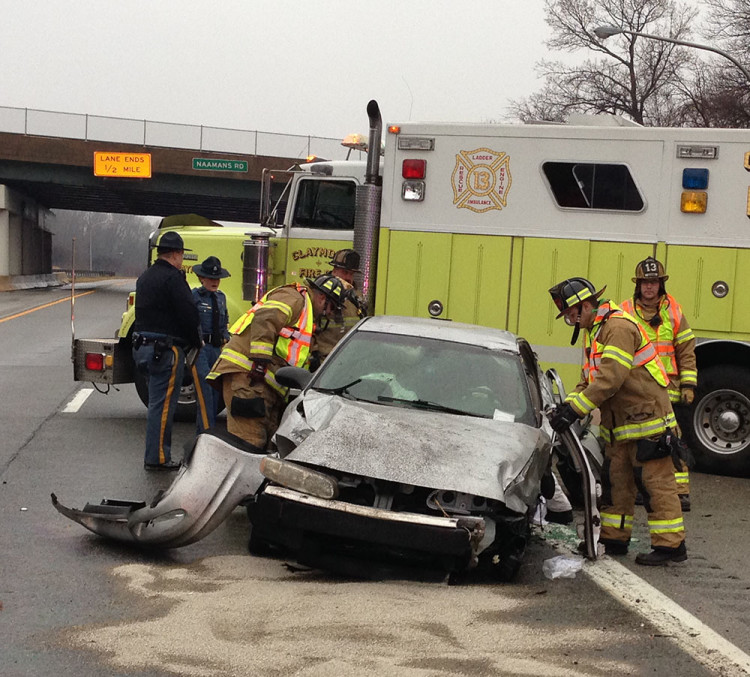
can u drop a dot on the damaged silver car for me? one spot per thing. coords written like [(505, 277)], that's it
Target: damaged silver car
[(419, 444)]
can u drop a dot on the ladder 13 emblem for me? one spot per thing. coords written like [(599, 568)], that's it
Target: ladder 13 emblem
[(481, 179)]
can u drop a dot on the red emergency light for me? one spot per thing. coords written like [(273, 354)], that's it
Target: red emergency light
[(414, 169), (95, 361)]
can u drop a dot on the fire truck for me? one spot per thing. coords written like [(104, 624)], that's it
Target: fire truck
[(475, 222)]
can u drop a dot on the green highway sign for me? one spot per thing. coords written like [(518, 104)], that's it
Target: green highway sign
[(219, 165)]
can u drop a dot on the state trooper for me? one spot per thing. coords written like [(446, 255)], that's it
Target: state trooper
[(666, 325), (214, 318), (166, 325), (623, 376), (275, 332), (345, 263)]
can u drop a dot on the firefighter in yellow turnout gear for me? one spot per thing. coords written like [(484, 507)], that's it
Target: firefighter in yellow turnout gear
[(275, 332), (661, 317), (345, 263), (624, 377)]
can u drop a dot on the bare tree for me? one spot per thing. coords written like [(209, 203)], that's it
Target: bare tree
[(632, 76), (718, 93)]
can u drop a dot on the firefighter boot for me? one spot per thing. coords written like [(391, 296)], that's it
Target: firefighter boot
[(662, 556)]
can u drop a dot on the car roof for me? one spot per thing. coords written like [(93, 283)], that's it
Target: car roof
[(456, 332)]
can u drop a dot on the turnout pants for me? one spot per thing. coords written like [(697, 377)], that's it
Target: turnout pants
[(622, 477), (164, 382), (253, 411)]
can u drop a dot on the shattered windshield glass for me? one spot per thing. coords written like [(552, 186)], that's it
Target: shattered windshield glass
[(413, 371)]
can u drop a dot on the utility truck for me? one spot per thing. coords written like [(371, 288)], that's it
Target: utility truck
[(475, 222)]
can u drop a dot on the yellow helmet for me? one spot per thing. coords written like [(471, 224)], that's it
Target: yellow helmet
[(650, 269)]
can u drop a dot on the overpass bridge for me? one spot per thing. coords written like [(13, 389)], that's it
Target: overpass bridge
[(47, 161)]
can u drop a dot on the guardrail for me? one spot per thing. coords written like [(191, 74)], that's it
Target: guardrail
[(33, 122)]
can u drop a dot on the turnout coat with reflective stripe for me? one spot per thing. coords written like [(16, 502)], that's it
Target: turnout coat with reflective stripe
[(673, 339), (623, 377), (277, 330)]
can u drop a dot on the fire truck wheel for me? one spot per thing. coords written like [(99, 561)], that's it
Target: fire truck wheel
[(717, 426), (186, 404)]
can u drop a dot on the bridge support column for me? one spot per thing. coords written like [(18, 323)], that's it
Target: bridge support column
[(25, 245)]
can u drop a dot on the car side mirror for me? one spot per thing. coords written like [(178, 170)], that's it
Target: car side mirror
[(293, 377)]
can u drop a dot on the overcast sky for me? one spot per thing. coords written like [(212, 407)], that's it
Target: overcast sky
[(290, 66)]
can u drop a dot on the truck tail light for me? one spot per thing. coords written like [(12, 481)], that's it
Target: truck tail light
[(414, 169), (95, 361)]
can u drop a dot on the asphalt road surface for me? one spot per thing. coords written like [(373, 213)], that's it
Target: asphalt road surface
[(74, 604)]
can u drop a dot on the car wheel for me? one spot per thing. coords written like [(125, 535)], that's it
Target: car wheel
[(186, 405), (717, 427)]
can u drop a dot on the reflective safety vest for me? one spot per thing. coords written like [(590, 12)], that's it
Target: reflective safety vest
[(645, 356), (292, 344), (665, 337)]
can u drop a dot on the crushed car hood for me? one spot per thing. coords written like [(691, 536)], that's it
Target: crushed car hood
[(491, 458)]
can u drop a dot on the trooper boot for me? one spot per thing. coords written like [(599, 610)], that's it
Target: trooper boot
[(661, 556), (684, 502)]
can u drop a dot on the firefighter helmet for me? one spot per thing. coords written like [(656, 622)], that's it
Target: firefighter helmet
[(347, 259), (331, 286), (650, 269), (569, 293)]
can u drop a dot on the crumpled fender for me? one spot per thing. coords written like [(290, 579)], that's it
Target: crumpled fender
[(217, 475)]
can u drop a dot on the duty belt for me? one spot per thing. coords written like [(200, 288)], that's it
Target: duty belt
[(141, 340)]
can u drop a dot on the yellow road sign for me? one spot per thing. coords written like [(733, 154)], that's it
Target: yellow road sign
[(122, 165)]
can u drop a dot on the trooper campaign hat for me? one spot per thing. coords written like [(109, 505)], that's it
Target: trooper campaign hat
[(211, 269), (171, 241), (348, 259)]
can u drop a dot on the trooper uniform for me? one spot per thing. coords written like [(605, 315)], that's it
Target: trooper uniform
[(623, 376), (214, 320), (166, 325), (333, 329), (277, 331), (669, 331)]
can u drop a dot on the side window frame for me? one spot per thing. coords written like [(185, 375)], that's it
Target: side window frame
[(581, 185)]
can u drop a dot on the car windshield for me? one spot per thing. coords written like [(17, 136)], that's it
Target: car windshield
[(412, 371)]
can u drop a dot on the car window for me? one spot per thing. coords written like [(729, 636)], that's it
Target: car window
[(471, 379)]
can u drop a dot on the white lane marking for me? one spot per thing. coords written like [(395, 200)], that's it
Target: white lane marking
[(77, 402), (690, 634), (693, 636)]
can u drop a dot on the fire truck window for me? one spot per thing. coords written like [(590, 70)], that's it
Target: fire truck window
[(581, 185), (325, 204)]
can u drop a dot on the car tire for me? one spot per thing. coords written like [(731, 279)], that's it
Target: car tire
[(717, 426)]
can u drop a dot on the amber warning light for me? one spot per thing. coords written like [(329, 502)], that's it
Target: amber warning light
[(122, 165)]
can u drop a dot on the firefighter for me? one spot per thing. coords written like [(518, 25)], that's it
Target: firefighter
[(166, 325), (623, 376), (662, 318), (345, 263), (275, 332), (214, 318)]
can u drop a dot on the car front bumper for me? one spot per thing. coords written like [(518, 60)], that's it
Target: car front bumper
[(343, 536)]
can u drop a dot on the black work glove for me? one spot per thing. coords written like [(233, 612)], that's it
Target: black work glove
[(562, 417)]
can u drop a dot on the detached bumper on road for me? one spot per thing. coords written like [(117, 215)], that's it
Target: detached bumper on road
[(215, 478), (330, 532)]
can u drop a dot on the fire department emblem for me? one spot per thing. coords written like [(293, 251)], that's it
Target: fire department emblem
[(481, 179)]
